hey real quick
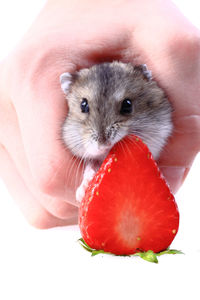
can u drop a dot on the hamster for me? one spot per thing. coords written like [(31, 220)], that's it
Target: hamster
[(109, 101)]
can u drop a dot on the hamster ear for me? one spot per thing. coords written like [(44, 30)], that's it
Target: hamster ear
[(143, 68), (147, 73), (66, 79)]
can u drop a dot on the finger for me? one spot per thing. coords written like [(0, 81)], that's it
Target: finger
[(32, 210), (41, 109), (177, 158), (11, 138), (174, 176)]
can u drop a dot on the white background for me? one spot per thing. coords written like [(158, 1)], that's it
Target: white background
[(50, 264)]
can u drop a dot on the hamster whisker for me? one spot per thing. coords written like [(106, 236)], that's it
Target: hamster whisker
[(133, 141), (127, 146), (69, 171), (123, 145), (75, 159), (83, 160)]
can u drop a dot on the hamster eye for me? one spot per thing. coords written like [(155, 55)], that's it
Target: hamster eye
[(84, 106), (126, 107)]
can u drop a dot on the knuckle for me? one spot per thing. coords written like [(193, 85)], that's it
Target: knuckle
[(46, 185), (189, 43), (63, 211), (40, 219), (48, 178), (192, 43), (34, 63)]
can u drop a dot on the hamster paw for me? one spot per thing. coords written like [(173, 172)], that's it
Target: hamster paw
[(80, 193), (87, 177)]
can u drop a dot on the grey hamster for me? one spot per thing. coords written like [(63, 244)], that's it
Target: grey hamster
[(109, 101)]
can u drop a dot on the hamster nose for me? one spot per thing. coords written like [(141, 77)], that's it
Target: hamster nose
[(102, 139)]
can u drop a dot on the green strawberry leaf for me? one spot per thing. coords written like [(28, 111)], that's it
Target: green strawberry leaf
[(93, 251), (149, 255), (84, 245), (169, 251)]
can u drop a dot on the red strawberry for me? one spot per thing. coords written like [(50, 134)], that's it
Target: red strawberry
[(128, 206)]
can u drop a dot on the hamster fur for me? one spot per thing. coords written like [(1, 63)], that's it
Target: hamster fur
[(109, 101)]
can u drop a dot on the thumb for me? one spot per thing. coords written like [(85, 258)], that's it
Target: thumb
[(177, 158), (174, 176)]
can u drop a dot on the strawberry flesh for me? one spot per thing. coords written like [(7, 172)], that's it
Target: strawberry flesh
[(128, 206)]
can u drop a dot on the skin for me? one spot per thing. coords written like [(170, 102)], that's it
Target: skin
[(67, 36)]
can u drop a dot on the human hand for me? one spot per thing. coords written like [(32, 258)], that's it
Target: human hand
[(39, 172)]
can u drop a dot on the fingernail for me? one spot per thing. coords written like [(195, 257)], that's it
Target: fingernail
[(174, 176)]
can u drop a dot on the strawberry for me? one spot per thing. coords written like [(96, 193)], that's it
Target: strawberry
[(128, 206)]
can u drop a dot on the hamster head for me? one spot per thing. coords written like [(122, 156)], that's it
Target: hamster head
[(109, 101)]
